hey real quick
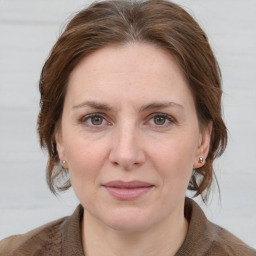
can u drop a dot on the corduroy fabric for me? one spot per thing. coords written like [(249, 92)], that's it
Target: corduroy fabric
[(62, 238)]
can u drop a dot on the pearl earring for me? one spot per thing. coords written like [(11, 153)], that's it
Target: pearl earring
[(201, 160), (64, 164)]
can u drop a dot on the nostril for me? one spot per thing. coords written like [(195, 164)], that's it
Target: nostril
[(127, 159), (115, 163)]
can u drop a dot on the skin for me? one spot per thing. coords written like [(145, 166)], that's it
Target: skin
[(146, 128)]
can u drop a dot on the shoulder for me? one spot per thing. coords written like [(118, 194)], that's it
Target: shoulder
[(207, 238), (44, 240), (225, 243)]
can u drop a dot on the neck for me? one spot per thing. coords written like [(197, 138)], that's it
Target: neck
[(162, 239)]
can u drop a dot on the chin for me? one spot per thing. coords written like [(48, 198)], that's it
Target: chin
[(128, 220)]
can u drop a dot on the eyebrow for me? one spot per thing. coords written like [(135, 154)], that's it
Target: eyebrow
[(157, 105), (146, 107), (93, 104)]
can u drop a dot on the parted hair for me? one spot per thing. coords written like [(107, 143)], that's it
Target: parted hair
[(116, 22)]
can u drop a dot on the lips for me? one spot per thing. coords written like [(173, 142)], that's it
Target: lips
[(131, 190)]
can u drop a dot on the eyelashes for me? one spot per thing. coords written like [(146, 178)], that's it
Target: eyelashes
[(99, 120)]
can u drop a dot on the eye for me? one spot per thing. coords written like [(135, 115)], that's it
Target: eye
[(160, 119), (94, 120)]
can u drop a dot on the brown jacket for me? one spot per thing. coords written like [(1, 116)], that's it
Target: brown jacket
[(62, 238)]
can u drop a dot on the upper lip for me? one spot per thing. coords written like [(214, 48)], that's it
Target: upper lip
[(127, 184)]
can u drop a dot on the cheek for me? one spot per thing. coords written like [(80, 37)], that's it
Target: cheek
[(174, 160), (85, 158)]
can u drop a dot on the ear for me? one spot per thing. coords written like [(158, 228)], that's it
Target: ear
[(203, 145), (59, 145)]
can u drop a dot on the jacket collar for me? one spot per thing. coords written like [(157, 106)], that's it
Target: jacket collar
[(200, 232), (71, 235)]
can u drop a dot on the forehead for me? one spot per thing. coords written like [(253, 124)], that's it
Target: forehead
[(129, 57), (130, 71)]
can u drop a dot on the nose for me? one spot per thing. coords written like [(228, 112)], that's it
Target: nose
[(127, 151)]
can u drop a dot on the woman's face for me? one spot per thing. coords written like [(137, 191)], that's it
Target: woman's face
[(130, 135)]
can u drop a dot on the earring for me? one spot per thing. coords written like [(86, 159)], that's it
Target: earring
[(64, 164), (201, 160)]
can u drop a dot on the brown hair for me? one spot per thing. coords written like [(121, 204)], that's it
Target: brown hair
[(117, 22)]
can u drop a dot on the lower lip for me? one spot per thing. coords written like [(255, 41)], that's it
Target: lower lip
[(128, 193)]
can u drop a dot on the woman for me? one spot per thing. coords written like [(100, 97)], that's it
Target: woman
[(131, 112)]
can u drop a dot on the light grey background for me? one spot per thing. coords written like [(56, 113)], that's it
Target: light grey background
[(28, 29)]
